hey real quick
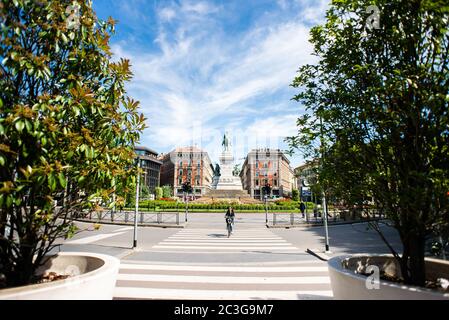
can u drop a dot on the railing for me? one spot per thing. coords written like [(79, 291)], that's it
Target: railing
[(334, 216), (127, 217)]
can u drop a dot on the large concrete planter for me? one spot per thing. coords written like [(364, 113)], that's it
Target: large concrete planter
[(93, 277), (348, 284)]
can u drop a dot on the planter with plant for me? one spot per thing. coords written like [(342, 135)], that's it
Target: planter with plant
[(67, 136), (377, 119)]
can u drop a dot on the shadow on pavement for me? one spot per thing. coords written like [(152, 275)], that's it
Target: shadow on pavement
[(356, 238), (217, 235)]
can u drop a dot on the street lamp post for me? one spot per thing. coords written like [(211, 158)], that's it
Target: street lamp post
[(136, 212), (266, 208), (324, 203), (326, 230), (267, 191), (186, 189), (187, 205)]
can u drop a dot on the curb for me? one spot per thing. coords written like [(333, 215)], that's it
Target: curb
[(279, 226), (311, 225)]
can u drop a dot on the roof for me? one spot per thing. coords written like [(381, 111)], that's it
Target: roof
[(188, 149), (142, 148), (274, 152), (308, 164)]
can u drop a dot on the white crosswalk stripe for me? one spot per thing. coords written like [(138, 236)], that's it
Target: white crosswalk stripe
[(289, 280), (91, 239), (217, 240), (306, 280)]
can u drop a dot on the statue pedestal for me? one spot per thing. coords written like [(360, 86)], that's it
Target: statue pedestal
[(227, 181)]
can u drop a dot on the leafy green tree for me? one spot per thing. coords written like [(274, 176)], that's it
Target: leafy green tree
[(144, 192), (67, 127), (378, 102), (295, 195), (158, 193), (167, 191)]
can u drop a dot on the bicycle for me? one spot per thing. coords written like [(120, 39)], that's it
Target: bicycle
[(229, 226)]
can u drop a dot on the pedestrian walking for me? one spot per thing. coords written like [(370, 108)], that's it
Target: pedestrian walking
[(302, 208)]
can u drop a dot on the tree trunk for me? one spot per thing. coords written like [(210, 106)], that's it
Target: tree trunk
[(413, 264)]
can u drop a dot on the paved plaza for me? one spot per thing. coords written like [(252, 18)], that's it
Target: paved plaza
[(200, 262)]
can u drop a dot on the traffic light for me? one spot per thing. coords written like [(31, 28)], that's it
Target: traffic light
[(267, 189), (186, 187)]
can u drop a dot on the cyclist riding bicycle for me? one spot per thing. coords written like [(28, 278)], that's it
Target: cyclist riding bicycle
[(230, 220)]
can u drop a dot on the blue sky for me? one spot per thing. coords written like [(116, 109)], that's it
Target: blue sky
[(205, 67)]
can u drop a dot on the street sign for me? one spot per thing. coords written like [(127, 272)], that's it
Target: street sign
[(306, 193)]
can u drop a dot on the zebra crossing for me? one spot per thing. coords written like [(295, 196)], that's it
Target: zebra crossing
[(287, 280), (216, 240)]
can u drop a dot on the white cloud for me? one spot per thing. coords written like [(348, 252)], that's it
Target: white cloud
[(167, 14), (314, 10), (199, 7), (204, 81)]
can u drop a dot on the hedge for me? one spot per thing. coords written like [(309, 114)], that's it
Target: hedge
[(152, 205)]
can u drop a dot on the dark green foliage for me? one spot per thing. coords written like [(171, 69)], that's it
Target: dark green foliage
[(378, 118), (67, 127)]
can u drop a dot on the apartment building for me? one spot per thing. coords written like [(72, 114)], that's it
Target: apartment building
[(267, 166), (151, 167), (187, 164)]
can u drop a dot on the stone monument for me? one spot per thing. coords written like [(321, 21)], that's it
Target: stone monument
[(225, 180), (225, 186)]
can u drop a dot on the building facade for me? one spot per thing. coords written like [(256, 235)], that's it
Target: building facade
[(151, 167), (187, 164), (267, 166)]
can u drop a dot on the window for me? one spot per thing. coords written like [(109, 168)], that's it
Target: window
[(180, 154), (275, 182), (180, 172), (257, 182), (180, 163)]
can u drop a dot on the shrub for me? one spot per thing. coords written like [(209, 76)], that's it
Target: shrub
[(167, 192), (295, 195), (158, 193)]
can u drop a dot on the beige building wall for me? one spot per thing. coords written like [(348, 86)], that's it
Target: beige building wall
[(267, 166), (188, 164)]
